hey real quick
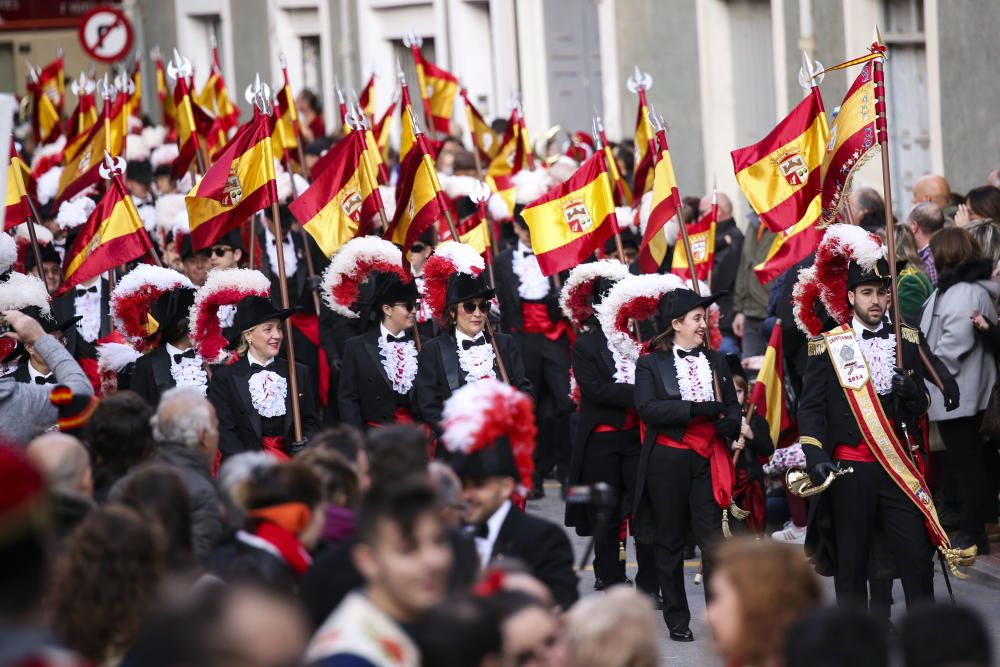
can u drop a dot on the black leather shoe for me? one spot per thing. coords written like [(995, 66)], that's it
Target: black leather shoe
[(681, 633)]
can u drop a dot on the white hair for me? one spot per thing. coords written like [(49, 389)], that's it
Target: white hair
[(182, 416)]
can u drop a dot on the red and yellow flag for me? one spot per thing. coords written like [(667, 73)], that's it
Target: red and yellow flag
[(343, 196), (644, 151), (367, 99), (485, 140), (193, 125), (239, 183), (666, 203), (768, 396), (514, 152), (701, 236), (381, 131), (214, 97), (853, 141), (572, 219), (419, 202), (504, 186), (167, 107), (438, 88), (81, 120), (112, 236), (135, 99), (18, 183), (45, 121), (407, 134), (80, 167), (780, 175), (285, 141)]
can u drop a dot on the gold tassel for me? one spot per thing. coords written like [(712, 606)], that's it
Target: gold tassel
[(621, 551), (725, 524), (738, 512), (955, 557)]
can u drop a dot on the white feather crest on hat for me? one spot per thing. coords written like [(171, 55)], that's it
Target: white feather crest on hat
[(581, 275), (46, 150), (529, 185), (154, 136), (21, 290), (115, 357), (164, 154), (47, 185), (563, 168), (463, 257), (42, 234), (284, 185), (456, 186), (350, 267), (625, 216), (388, 193), (222, 287), (75, 212), (171, 213), (134, 294), (133, 125), (8, 252), (863, 247), (497, 208), (136, 148)]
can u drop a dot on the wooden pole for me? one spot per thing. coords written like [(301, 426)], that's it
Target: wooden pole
[(661, 136), (890, 238), (253, 240), (36, 249), (293, 379), (310, 267)]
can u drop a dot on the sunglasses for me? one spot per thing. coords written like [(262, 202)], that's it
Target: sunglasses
[(472, 306), (417, 247), (409, 305), (221, 252)]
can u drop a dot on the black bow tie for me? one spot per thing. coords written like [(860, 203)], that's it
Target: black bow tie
[(257, 368), (527, 253), (187, 354), (481, 531), (80, 291), (389, 338), (44, 379), (469, 344), (881, 333), (696, 352)]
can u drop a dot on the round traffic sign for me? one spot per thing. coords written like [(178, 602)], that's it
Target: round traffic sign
[(106, 34)]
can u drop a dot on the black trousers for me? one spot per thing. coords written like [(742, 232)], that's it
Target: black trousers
[(546, 365), (612, 458), (866, 501), (969, 455), (679, 488)]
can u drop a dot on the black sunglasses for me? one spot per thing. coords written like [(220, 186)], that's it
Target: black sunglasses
[(409, 305), (472, 306), (417, 247), (221, 251)]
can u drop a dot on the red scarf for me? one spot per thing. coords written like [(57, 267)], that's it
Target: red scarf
[(287, 544)]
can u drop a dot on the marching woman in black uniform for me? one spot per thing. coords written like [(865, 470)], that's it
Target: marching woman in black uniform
[(380, 365), (687, 404), (252, 397), (459, 296)]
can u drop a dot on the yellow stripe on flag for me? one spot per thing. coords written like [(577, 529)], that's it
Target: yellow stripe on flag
[(478, 237), (425, 189), (254, 168), (772, 392), (18, 176), (121, 222)]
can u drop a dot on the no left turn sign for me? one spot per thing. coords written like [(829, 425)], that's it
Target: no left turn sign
[(106, 34)]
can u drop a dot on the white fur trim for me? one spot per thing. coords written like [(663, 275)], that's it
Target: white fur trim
[(611, 269), (242, 282), (136, 147), (21, 290), (462, 256), (164, 154), (46, 150), (529, 185), (115, 357), (47, 185), (75, 212), (154, 136), (8, 252), (366, 249), (468, 408)]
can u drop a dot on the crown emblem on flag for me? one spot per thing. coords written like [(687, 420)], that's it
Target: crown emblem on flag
[(351, 204), (233, 192), (84, 163), (577, 216), (699, 248), (793, 167)]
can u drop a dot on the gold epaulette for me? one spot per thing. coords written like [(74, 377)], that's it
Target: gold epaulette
[(817, 346), (910, 334)]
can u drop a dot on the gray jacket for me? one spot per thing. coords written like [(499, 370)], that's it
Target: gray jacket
[(946, 324), (25, 410)]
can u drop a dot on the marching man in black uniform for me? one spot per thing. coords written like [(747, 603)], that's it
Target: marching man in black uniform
[(687, 403), (858, 410), (380, 365), (459, 296)]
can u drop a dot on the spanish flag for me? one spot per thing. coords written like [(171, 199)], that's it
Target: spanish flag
[(767, 398), (572, 219), (18, 182), (367, 99), (112, 236), (285, 141), (381, 131), (644, 151), (780, 175), (407, 134), (504, 186), (51, 80), (666, 203), (81, 120), (80, 167), (343, 196), (193, 123), (438, 88), (167, 108), (419, 202), (214, 97), (485, 140), (514, 152), (473, 232), (135, 99), (45, 121), (239, 183), (701, 236), (852, 142)]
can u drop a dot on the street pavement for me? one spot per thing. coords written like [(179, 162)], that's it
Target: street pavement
[(981, 591)]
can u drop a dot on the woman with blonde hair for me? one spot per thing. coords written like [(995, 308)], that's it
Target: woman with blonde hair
[(252, 397), (757, 591), (613, 629)]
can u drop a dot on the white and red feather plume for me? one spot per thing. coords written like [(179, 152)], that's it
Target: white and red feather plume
[(21, 290), (112, 358), (449, 257), (222, 288), (8, 252), (352, 265), (135, 293), (479, 413), (826, 279), (577, 295)]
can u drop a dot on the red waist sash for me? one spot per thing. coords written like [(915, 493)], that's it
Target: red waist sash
[(275, 446), (861, 453), (701, 438), (631, 422), (536, 320)]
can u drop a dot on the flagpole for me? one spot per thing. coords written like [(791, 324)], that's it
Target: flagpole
[(599, 140), (36, 250), (715, 221), (253, 239), (310, 267), (480, 194), (295, 116)]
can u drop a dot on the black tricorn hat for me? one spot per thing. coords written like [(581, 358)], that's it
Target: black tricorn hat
[(172, 307), (496, 460), (878, 273), (679, 302), (462, 287), (254, 310)]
